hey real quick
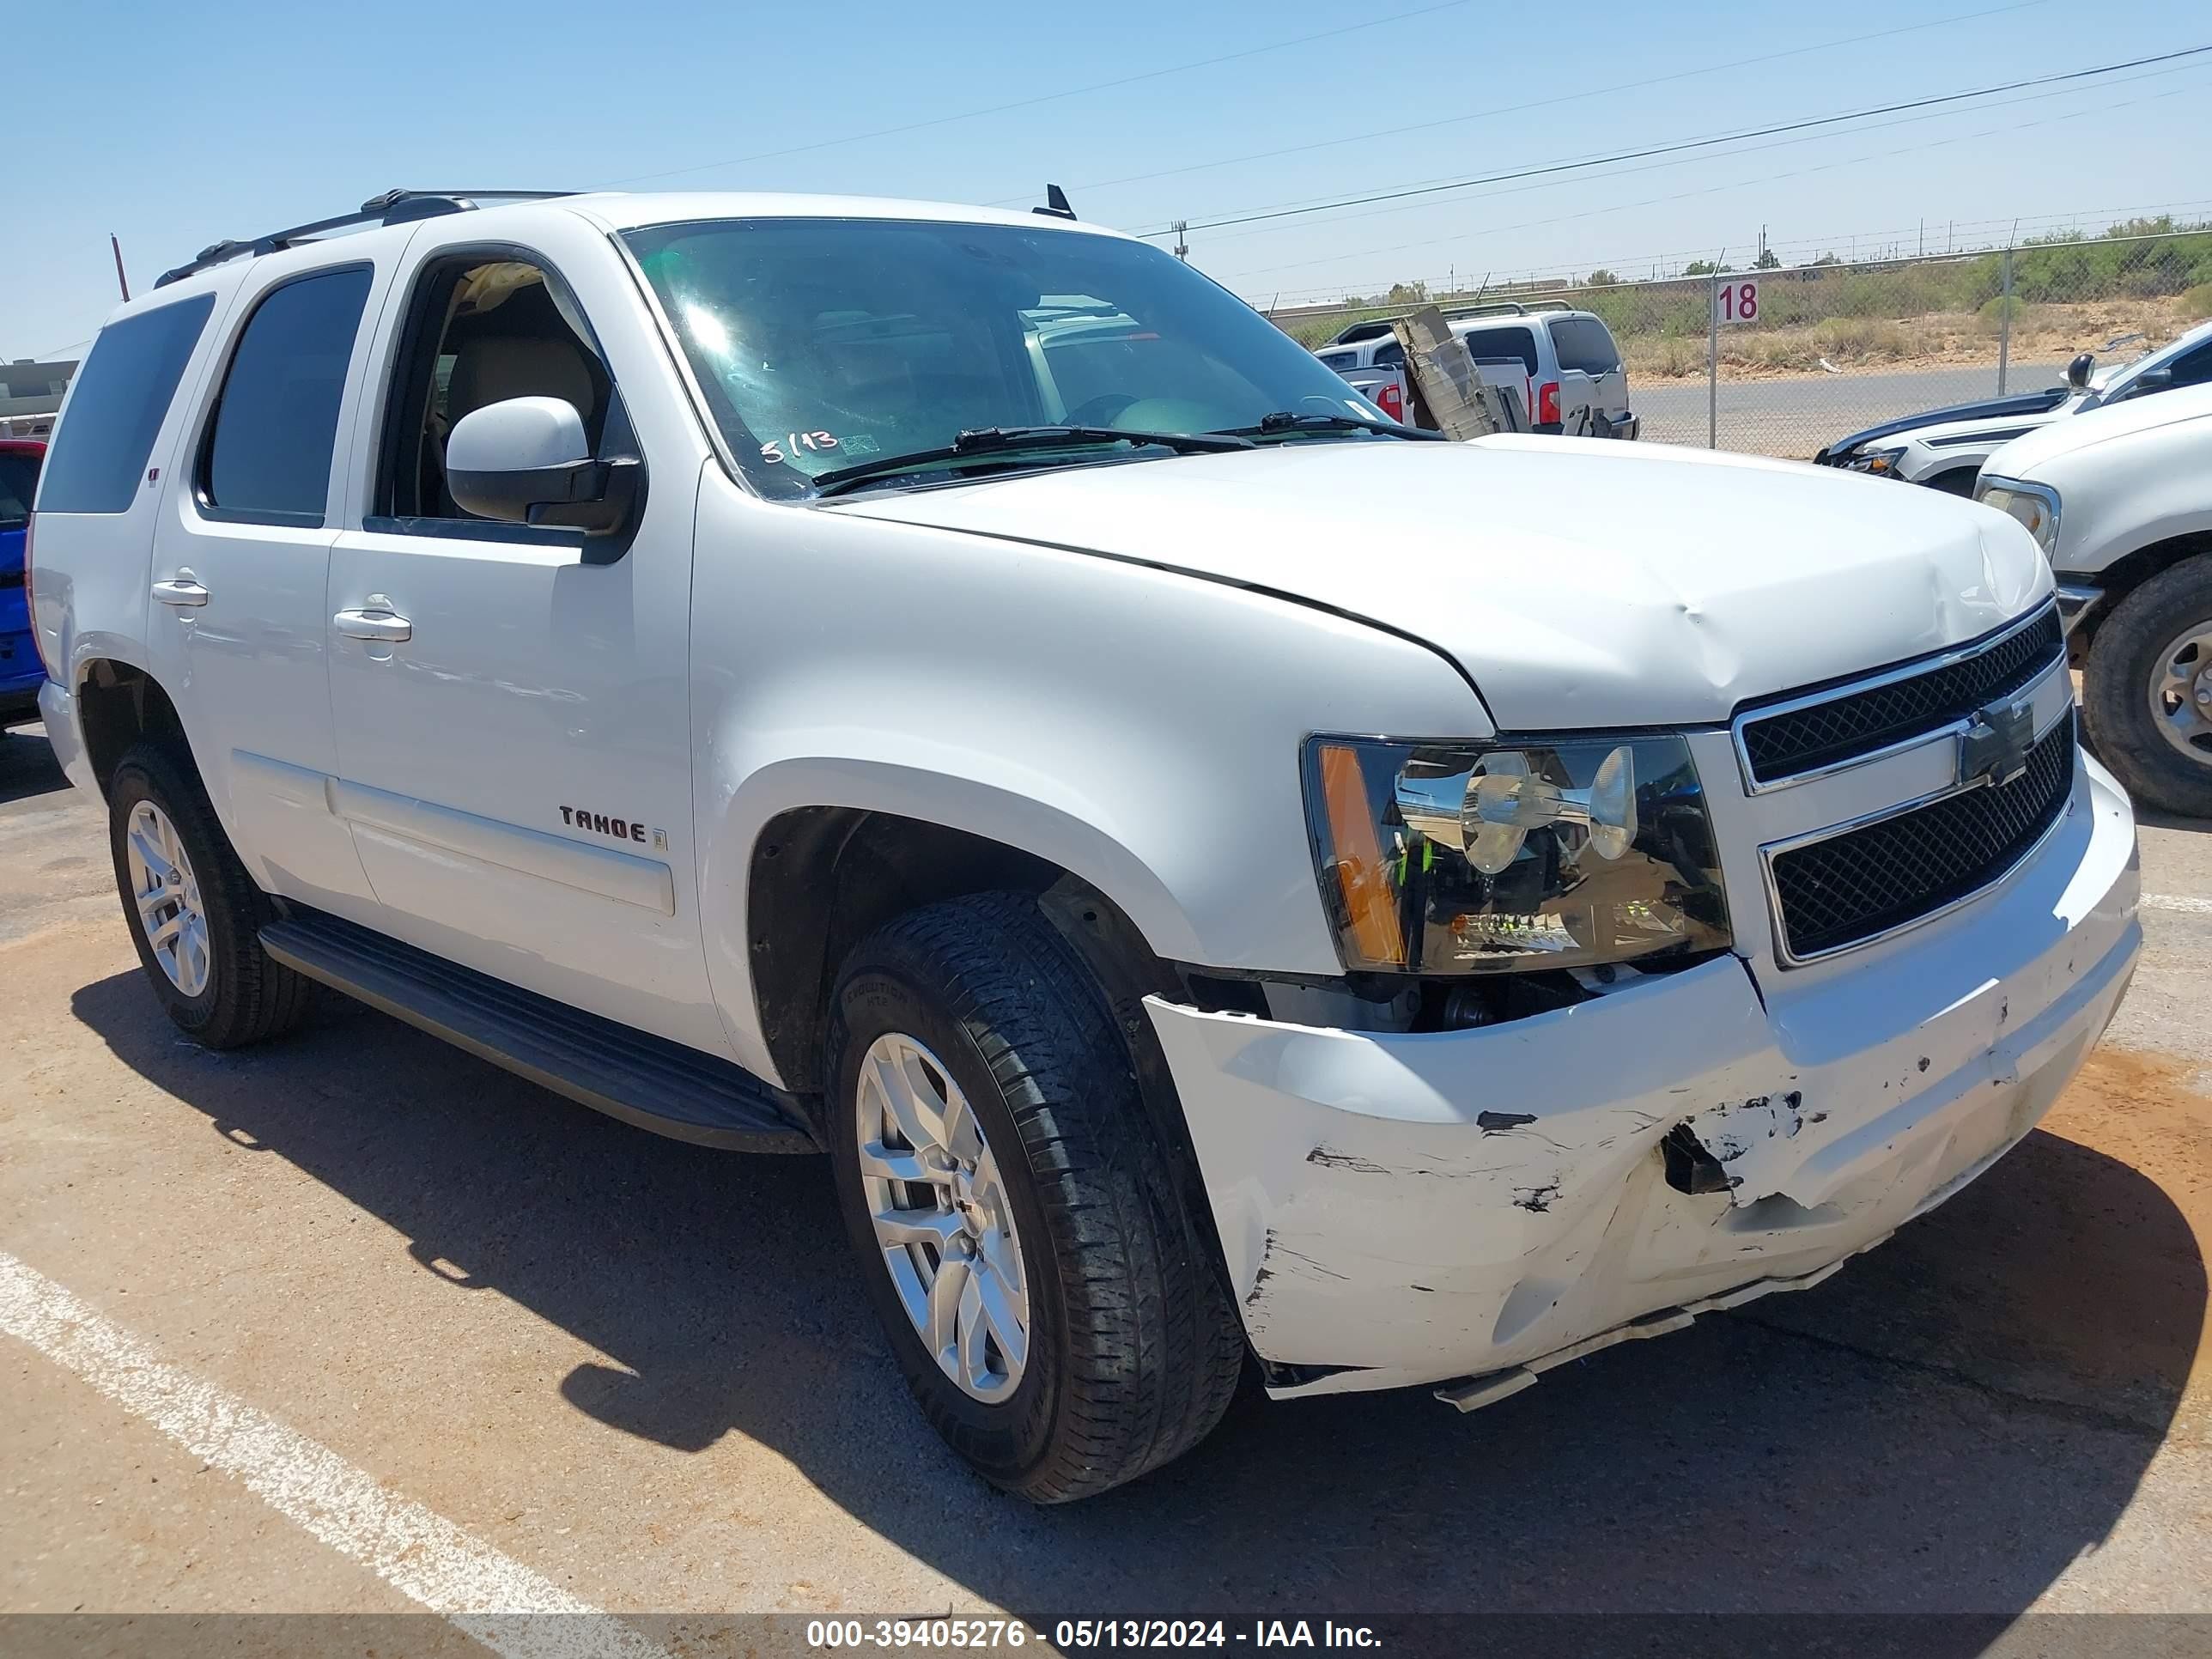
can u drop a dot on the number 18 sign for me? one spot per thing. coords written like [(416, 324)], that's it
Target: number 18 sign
[(1736, 301)]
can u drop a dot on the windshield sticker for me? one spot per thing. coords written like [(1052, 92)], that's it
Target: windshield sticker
[(795, 443)]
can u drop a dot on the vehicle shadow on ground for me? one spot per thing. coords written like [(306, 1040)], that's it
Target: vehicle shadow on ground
[(1946, 1425), (27, 765)]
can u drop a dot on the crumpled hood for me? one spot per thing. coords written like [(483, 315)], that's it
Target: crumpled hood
[(1578, 582)]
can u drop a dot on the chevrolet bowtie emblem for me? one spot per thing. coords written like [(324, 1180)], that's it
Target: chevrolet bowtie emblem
[(1994, 747)]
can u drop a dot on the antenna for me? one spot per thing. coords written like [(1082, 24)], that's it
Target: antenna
[(121, 281), (1055, 203), (1182, 246)]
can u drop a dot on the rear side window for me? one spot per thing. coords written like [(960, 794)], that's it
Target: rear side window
[(1392, 355), (19, 482), (1340, 361), (115, 409), (1585, 344), (268, 451), (1495, 344)]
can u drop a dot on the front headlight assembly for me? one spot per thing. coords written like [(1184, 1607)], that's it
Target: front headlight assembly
[(1880, 463), (2033, 506), (1489, 858)]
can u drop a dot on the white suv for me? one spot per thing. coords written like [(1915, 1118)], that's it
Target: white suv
[(902, 681), (1564, 363)]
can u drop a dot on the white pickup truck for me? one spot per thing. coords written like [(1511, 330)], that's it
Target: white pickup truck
[(903, 681), (2120, 499)]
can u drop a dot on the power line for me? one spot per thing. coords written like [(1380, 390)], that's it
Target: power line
[(1401, 194), (1542, 103), (1043, 98), (1661, 167), (2035, 224), (1825, 167)]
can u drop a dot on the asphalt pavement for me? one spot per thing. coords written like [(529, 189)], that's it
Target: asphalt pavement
[(355, 1323), (1796, 415)]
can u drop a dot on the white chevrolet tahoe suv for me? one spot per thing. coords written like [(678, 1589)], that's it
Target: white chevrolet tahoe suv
[(752, 665)]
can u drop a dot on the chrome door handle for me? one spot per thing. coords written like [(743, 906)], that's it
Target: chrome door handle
[(183, 590), (375, 620)]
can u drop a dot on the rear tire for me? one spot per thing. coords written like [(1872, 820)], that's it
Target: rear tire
[(1132, 1351), (197, 929), (2133, 654)]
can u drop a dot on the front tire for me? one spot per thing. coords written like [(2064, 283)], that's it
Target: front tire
[(1013, 1209), (194, 913), (2147, 690)]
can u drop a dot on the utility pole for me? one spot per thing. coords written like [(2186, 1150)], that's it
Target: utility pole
[(121, 281), (1182, 247)]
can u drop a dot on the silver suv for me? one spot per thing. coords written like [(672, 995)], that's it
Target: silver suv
[(1575, 381)]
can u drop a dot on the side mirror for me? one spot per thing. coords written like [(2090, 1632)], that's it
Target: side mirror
[(2151, 380), (526, 460), (2078, 371)]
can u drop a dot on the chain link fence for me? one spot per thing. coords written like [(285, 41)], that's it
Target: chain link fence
[(1810, 353)]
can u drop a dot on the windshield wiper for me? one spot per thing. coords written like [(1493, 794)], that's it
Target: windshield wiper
[(1283, 420), (985, 441)]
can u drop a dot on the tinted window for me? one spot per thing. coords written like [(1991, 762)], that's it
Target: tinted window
[(1340, 361), (1584, 344), (2194, 367), (123, 389), (19, 482), (269, 453), (1495, 344), (1392, 355)]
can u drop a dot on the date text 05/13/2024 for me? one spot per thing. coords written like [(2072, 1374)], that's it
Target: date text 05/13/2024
[(899, 1634)]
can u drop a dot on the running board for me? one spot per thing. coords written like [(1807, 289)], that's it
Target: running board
[(644, 1080)]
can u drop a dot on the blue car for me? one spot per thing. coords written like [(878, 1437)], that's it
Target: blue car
[(21, 672)]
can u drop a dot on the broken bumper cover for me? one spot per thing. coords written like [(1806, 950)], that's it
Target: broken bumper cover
[(1471, 1207)]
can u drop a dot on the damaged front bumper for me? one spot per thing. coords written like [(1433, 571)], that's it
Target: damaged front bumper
[(1468, 1207)]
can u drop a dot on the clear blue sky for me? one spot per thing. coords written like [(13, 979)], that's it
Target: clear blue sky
[(176, 126)]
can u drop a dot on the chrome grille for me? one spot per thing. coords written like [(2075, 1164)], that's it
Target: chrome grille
[(1812, 733), (1851, 887)]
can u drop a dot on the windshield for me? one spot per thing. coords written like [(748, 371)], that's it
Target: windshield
[(822, 343)]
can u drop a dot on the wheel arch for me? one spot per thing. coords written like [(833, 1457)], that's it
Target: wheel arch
[(821, 878), (117, 704), (2122, 575)]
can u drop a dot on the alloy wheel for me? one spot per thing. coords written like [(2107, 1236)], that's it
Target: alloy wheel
[(167, 895), (2181, 693), (943, 1216)]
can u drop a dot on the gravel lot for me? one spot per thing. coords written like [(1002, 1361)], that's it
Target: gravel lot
[(494, 1333)]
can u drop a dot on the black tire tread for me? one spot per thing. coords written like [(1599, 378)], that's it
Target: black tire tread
[(1153, 1349), (256, 997), (2113, 710)]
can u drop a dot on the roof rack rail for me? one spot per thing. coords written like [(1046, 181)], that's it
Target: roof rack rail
[(1509, 307), (394, 207)]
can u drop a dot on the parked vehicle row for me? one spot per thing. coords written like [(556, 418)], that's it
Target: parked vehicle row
[(1562, 364), (21, 673), (1944, 449), (801, 673)]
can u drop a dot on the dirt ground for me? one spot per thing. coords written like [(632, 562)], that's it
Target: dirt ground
[(2041, 334), (514, 1344)]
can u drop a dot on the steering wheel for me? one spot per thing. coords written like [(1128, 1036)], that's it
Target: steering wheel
[(1100, 411)]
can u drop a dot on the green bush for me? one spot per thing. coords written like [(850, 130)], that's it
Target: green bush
[(2197, 301)]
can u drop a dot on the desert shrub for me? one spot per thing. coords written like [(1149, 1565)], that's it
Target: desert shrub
[(2197, 301)]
